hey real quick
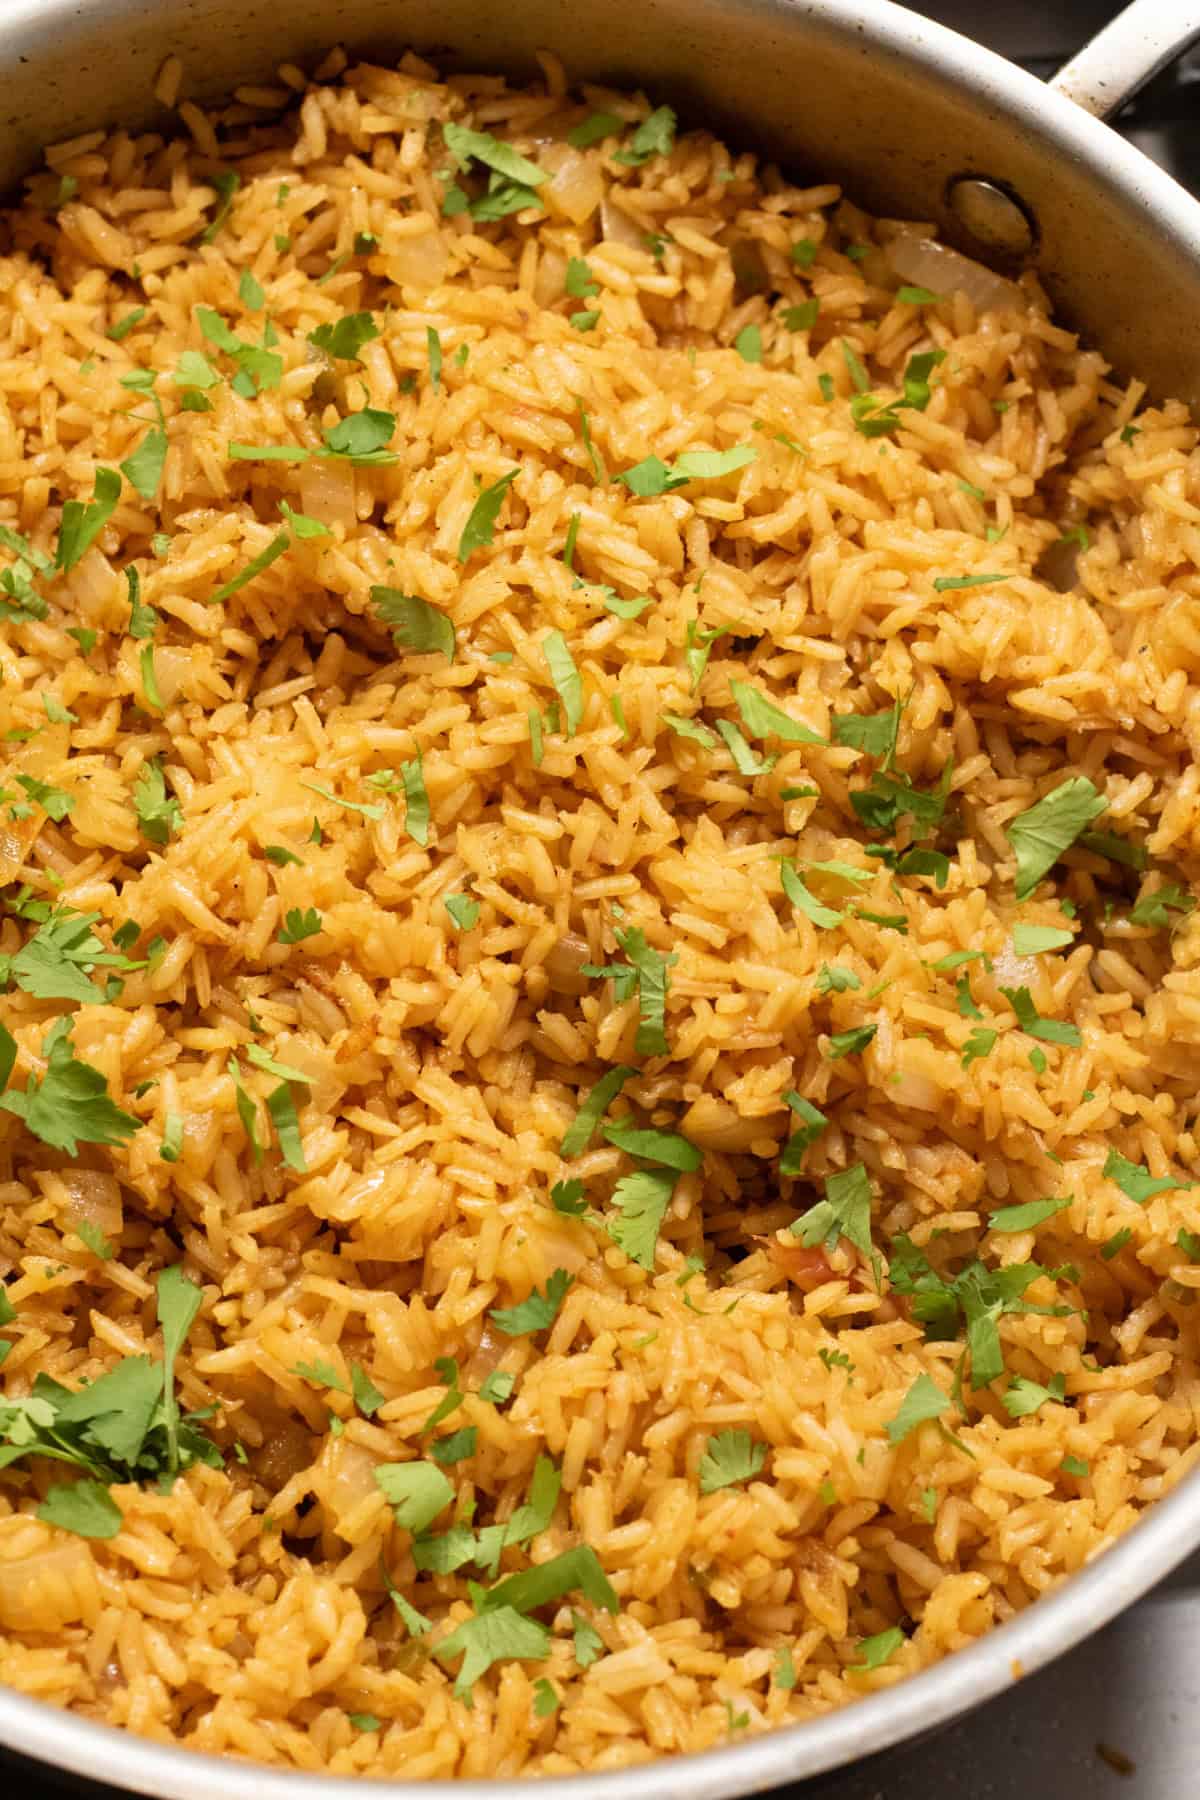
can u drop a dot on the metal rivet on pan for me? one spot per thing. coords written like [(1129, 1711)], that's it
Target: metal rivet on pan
[(993, 217)]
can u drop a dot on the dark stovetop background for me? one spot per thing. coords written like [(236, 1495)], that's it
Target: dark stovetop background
[(1119, 1718)]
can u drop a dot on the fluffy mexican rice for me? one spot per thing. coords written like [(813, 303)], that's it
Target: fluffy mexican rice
[(600, 992)]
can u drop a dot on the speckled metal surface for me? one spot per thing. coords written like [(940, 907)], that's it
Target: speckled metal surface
[(1120, 1714)]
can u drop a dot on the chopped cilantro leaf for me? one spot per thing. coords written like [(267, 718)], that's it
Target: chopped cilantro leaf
[(745, 761), (579, 1133), (1154, 908), (1023, 1397), (415, 624), (545, 1699), (924, 1400), (877, 1650), (281, 1105), (95, 1240), (1040, 835), (253, 568), (814, 1123), (873, 733), (1028, 1216), (797, 892), (748, 344), (172, 1138), (641, 1202), (456, 1447), (69, 1104), (491, 1637), (980, 1043), (497, 1387), (536, 1312), (730, 1458), (1135, 1180), (1034, 940), (594, 129), (844, 1212), (121, 330), (569, 1198), (227, 183), (416, 1492), (762, 718), (1051, 1031), (479, 529), (652, 476), (462, 909), (82, 523), (850, 1043), (346, 337), (802, 317), (85, 1507), (655, 136), (299, 925), (690, 729), (466, 146), (664, 1147), (568, 683)]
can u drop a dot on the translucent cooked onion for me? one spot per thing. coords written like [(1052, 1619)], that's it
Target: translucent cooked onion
[(577, 187), (416, 259), (171, 665), (616, 227), (353, 1479), (15, 841), (714, 1124), (551, 274), (93, 1198), (55, 1583), (923, 262), (563, 963), (327, 492)]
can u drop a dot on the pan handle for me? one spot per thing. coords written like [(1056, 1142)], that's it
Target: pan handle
[(1139, 42)]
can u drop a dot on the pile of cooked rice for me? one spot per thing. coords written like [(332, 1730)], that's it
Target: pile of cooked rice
[(664, 596)]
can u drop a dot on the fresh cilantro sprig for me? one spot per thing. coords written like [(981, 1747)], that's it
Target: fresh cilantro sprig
[(69, 1103), (123, 1427)]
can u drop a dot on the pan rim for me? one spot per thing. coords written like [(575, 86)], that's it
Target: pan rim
[(1085, 1601)]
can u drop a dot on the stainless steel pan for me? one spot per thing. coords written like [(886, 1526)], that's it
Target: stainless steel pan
[(915, 120)]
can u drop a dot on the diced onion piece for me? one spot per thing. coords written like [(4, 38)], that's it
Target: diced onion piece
[(714, 1124), (45, 754), (551, 274), (416, 258), (325, 1084), (15, 841), (923, 262), (577, 185), (353, 1481), (47, 1580), (563, 963), (327, 492), (93, 1198), (616, 226), (1011, 970), (172, 664), (487, 1357)]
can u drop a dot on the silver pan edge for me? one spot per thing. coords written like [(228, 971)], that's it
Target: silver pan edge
[(896, 107)]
